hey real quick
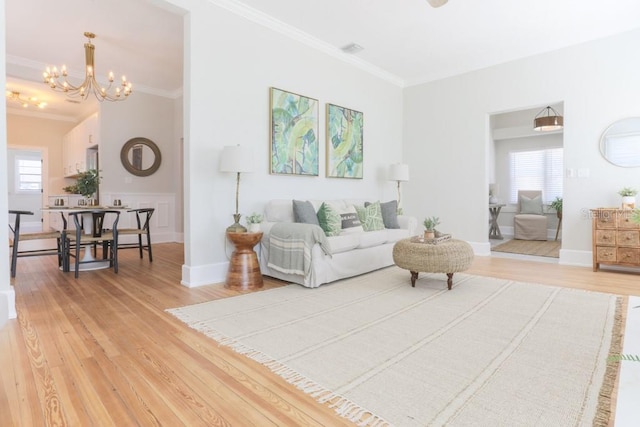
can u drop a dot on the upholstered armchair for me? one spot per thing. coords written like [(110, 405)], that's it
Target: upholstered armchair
[(530, 222)]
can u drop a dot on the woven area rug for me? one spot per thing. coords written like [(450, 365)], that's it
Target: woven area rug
[(489, 352), (549, 248)]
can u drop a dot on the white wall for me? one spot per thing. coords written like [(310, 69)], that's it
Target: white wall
[(142, 115), (231, 64), (446, 130), (7, 295)]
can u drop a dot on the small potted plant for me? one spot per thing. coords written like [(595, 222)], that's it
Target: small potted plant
[(430, 224), (253, 222), (557, 206), (628, 197)]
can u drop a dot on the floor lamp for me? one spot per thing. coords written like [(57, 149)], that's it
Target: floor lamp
[(236, 159), (399, 172)]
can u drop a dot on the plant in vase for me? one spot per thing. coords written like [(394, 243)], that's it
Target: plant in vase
[(87, 183), (253, 222), (628, 197), (557, 206), (430, 224)]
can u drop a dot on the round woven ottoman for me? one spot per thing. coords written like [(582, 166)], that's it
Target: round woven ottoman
[(447, 257)]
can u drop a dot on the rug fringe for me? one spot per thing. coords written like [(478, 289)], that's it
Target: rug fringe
[(344, 407), (605, 407)]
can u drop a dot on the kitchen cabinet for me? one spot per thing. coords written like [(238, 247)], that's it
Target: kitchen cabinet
[(75, 144)]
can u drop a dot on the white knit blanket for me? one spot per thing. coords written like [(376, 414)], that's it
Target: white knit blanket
[(290, 246)]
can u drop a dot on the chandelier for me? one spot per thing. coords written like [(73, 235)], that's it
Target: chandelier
[(89, 85), (15, 96)]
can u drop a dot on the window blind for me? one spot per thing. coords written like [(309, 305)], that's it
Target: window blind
[(536, 170)]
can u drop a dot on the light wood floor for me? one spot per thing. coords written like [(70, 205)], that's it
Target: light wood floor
[(100, 350)]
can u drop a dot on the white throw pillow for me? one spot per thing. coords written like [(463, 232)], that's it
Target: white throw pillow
[(350, 220)]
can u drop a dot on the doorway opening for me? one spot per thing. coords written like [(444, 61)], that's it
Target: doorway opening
[(27, 177), (524, 160)]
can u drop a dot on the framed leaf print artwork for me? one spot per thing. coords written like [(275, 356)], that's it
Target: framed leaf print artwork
[(345, 156), (294, 134)]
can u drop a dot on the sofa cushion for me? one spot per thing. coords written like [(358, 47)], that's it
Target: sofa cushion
[(303, 211), (395, 234), (343, 242), (278, 211), (371, 217), (389, 213), (372, 238), (329, 220), (350, 222), (531, 206)]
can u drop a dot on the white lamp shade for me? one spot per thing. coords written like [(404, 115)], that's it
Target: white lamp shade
[(399, 172), (235, 158)]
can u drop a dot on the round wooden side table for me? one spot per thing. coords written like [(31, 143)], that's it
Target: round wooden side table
[(244, 269)]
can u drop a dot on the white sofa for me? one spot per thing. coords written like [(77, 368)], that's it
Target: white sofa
[(351, 254)]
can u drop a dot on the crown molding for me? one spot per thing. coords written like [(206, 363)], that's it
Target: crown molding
[(265, 20), (41, 115)]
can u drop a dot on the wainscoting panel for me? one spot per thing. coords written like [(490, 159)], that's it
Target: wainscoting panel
[(163, 221)]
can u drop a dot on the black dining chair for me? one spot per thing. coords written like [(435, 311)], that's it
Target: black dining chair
[(76, 239), (17, 236), (143, 218)]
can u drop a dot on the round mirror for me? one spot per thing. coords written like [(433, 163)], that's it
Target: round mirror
[(140, 156), (620, 143)]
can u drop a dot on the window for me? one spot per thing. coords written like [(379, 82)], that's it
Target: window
[(29, 175), (536, 170)]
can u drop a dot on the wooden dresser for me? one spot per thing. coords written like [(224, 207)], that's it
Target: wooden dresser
[(616, 238)]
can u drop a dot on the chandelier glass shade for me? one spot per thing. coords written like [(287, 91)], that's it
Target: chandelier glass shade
[(57, 80), (15, 96), (552, 120)]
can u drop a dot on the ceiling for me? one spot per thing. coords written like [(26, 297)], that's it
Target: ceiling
[(129, 34), (407, 42)]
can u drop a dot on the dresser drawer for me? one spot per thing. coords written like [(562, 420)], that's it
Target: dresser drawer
[(628, 238), (606, 237), (625, 221), (629, 255), (604, 218), (605, 254)]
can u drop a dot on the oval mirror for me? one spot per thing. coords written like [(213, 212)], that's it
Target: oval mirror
[(140, 156), (620, 142)]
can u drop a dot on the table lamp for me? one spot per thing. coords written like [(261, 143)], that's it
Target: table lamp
[(237, 159), (399, 172)]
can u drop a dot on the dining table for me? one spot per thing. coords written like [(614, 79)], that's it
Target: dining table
[(87, 226)]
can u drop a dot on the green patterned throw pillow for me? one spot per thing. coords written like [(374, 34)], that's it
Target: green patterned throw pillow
[(330, 220), (371, 217)]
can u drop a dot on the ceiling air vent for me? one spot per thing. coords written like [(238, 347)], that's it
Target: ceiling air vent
[(352, 48)]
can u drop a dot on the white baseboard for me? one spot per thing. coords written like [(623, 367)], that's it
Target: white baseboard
[(7, 305), (481, 248), (577, 258), (201, 275)]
